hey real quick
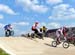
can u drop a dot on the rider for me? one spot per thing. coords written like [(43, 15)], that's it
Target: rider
[(34, 28), (58, 34), (7, 29), (44, 29), (61, 31), (65, 30)]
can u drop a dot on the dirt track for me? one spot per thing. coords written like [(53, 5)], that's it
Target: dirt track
[(24, 46)]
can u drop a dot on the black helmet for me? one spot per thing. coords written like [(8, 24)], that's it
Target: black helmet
[(9, 24)]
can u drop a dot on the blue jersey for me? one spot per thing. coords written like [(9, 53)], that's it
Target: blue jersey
[(7, 27)]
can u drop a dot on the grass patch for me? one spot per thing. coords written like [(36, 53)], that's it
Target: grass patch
[(2, 52)]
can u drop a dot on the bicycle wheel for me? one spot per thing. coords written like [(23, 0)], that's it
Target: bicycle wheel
[(54, 43), (12, 33), (65, 44)]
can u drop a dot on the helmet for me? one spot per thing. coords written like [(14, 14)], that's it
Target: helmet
[(9, 24), (44, 27), (36, 22), (64, 27)]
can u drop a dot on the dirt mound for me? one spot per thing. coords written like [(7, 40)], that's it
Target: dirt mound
[(24, 46)]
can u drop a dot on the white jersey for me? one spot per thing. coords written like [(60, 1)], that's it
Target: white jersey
[(34, 27), (59, 32)]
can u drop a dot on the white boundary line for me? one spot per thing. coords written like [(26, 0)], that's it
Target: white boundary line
[(7, 51)]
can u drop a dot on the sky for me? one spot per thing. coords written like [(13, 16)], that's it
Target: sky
[(22, 14)]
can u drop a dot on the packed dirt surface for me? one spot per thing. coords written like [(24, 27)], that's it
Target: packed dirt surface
[(25, 46)]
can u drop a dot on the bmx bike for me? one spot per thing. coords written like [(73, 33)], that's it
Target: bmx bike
[(9, 33)]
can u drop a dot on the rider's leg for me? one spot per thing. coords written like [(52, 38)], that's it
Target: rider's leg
[(35, 33), (59, 40), (40, 36), (65, 39), (6, 33), (58, 37), (9, 32)]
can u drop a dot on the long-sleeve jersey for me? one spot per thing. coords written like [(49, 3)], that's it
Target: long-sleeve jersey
[(7, 27)]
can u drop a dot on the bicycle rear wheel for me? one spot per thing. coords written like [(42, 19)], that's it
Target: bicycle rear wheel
[(54, 44)]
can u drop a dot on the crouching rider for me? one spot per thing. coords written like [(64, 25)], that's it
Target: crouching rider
[(61, 32), (8, 29)]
